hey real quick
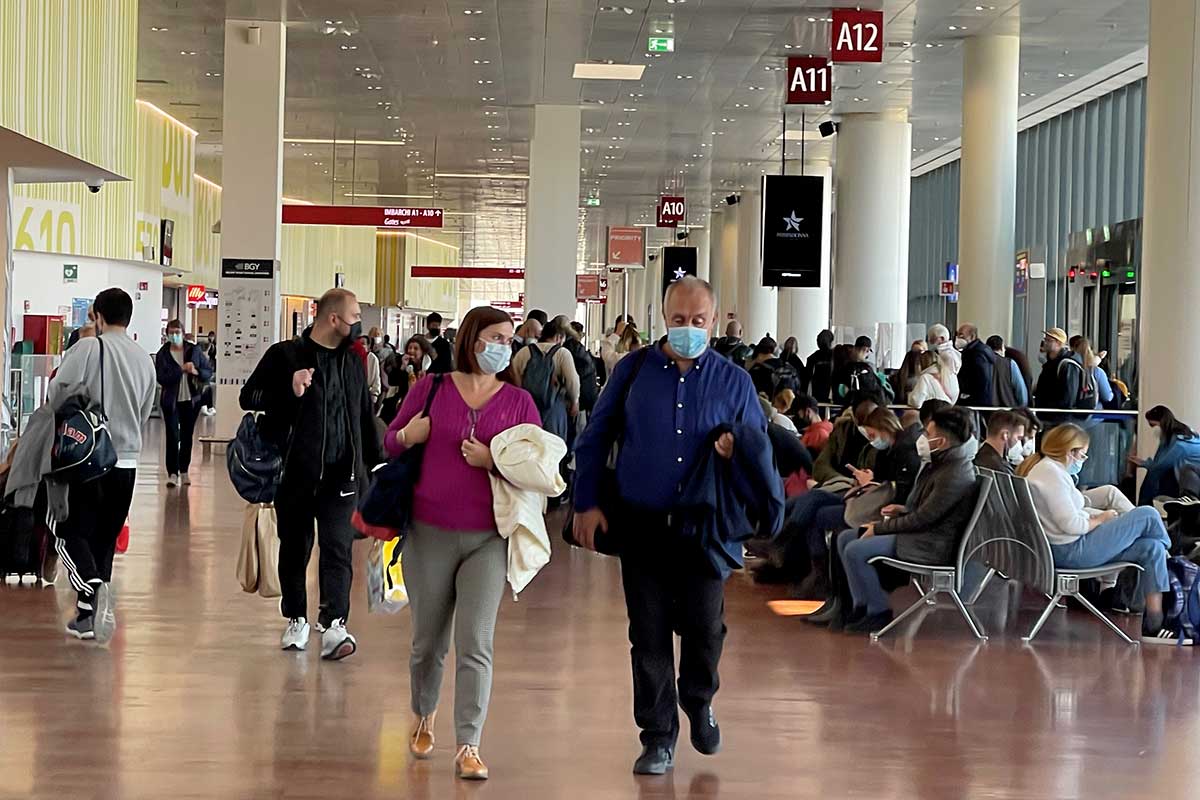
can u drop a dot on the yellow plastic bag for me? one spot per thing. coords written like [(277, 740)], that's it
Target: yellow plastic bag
[(385, 579)]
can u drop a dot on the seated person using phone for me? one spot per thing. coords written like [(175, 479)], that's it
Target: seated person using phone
[(923, 530)]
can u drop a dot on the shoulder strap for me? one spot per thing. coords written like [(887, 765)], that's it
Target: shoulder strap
[(433, 390), (641, 357), (100, 341)]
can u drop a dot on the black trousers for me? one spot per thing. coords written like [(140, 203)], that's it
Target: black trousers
[(87, 540), (670, 588), (329, 505), (180, 422)]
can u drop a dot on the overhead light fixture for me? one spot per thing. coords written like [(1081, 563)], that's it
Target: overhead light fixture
[(476, 38), (390, 196), (608, 72), (630, 110), (358, 142), (159, 30), (827, 129), (732, 200), (482, 176), (471, 11)]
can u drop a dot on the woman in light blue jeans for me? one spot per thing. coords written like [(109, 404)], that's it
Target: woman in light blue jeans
[(1099, 526)]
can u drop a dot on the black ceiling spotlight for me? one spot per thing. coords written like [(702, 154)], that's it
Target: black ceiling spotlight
[(732, 200), (683, 235), (828, 128)]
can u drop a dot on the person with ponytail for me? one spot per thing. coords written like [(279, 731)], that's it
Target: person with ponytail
[(1177, 444), (1099, 526)]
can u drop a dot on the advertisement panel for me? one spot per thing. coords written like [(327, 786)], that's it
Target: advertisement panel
[(792, 229)]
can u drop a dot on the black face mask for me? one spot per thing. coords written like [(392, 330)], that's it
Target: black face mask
[(355, 330)]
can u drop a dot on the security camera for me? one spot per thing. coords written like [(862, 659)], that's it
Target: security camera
[(652, 256), (94, 185)]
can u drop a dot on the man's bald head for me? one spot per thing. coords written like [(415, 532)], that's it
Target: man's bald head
[(690, 301)]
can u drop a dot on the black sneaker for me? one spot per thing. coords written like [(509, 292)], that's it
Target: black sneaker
[(1164, 636), (706, 733), (82, 627), (1111, 600), (871, 623), (655, 759), (827, 613)]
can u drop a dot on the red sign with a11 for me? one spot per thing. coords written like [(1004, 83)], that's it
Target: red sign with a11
[(857, 36), (810, 80)]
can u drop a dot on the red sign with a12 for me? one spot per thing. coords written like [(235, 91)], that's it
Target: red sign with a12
[(857, 36)]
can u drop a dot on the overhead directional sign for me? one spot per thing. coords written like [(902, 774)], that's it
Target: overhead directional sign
[(492, 273), (857, 36), (369, 216), (626, 247), (661, 44), (810, 80), (671, 211)]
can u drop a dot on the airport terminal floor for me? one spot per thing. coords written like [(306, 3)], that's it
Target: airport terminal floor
[(193, 697)]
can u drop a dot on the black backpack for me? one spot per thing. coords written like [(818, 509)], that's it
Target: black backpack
[(1085, 398), (785, 376), (538, 379), (589, 383), (255, 465), (83, 450)]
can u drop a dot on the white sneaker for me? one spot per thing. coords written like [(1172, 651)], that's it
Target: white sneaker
[(172, 481), (336, 641), (208, 411), (104, 618), (185, 479), (295, 636)]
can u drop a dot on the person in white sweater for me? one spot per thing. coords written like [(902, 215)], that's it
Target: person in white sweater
[(1099, 526), (949, 359)]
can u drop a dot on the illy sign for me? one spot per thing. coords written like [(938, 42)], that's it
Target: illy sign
[(670, 212), (810, 80), (857, 36)]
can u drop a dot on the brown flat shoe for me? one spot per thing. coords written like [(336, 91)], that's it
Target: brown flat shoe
[(421, 742), (468, 765)]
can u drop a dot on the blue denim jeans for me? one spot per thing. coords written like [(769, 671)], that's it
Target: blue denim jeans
[(800, 515), (863, 578), (1138, 536)]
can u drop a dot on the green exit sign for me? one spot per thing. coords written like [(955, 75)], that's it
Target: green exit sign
[(661, 44), (591, 201)]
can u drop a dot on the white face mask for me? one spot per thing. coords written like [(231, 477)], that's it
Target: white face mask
[(1028, 448), (1016, 452), (971, 448), (960, 343), (924, 449)]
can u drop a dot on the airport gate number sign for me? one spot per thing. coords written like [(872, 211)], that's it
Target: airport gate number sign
[(857, 36), (670, 212), (810, 80)]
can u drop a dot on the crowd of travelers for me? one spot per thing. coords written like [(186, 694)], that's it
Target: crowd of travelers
[(683, 457)]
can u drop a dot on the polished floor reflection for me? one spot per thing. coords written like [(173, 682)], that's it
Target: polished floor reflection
[(193, 698)]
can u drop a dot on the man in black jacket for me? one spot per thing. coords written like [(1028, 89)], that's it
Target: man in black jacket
[(1058, 384), (443, 353), (978, 363), (313, 391)]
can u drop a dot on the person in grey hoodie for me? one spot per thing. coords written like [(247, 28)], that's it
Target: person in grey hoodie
[(86, 541)]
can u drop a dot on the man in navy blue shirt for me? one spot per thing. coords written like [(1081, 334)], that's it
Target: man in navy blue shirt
[(674, 396)]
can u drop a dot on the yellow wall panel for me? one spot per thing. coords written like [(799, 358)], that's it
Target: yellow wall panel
[(206, 252), (165, 180), (68, 71), (311, 255), (430, 294), (67, 218)]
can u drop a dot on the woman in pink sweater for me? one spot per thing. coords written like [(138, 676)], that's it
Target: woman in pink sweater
[(455, 562)]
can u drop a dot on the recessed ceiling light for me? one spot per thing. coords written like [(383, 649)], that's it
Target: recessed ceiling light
[(812, 19), (608, 72), (954, 28), (491, 113), (929, 45), (349, 47), (629, 110), (471, 11), (883, 83), (485, 82), (212, 74), (741, 105), (482, 61), (159, 30), (187, 52), (487, 99), (861, 99), (1027, 94), (728, 119), (476, 38), (493, 127), (623, 124)]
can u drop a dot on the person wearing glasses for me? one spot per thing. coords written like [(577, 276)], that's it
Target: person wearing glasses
[(1098, 526), (455, 562)]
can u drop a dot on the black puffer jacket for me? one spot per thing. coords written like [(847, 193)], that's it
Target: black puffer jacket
[(938, 509), (297, 424)]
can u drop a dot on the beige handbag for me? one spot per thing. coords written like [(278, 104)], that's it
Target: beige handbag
[(258, 557), (863, 505)]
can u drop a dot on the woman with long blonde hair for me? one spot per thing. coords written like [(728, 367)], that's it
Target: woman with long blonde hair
[(1099, 526)]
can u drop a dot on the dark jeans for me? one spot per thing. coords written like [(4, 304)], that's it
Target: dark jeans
[(330, 504), (671, 588), (794, 541), (87, 540), (180, 422), (828, 518)]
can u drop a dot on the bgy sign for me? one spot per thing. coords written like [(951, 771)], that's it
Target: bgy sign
[(857, 36)]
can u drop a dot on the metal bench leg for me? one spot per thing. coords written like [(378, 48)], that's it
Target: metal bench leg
[(1042, 619), (908, 612), (976, 628), (930, 597), (983, 584), (1103, 618)]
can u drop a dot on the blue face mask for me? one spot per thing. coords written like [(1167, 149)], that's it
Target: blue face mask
[(687, 342), (880, 443), (1075, 467), (494, 358)]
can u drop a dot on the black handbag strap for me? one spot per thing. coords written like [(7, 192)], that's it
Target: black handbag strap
[(433, 390), (103, 413), (619, 428)]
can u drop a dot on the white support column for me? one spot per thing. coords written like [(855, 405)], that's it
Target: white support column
[(727, 261), (252, 181), (759, 305), (6, 275), (1168, 324), (804, 313), (988, 185), (699, 239), (870, 277), (552, 224)]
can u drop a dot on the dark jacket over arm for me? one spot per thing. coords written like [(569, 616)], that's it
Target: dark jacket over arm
[(169, 373)]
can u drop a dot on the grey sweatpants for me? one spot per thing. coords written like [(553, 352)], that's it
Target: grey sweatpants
[(455, 575)]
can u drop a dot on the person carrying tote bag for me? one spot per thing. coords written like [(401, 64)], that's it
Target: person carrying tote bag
[(455, 561)]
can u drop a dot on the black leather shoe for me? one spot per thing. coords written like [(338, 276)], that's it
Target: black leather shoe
[(871, 623), (826, 613), (706, 733), (654, 760), (844, 620)]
